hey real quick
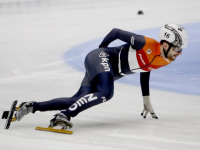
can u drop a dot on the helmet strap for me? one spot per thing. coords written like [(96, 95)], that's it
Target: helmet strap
[(167, 51)]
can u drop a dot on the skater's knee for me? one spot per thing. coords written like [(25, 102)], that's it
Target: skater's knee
[(108, 94)]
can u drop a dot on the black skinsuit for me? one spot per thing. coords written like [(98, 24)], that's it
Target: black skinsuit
[(103, 66)]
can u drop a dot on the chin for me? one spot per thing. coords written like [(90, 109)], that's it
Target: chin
[(173, 58)]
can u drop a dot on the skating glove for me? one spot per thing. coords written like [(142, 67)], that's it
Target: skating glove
[(148, 108)]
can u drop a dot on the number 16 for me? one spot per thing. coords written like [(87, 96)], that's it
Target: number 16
[(166, 35)]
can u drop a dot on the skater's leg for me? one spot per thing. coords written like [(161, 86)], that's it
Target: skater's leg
[(64, 102), (54, 104), (100, 72), (85, 88), (104, 91)]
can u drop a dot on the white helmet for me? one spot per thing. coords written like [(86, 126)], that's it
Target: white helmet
[(174, 34)]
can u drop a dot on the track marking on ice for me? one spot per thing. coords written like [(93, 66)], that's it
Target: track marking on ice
[(194, 40)]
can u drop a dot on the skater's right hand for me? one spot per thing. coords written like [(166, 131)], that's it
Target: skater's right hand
[(148, 108)]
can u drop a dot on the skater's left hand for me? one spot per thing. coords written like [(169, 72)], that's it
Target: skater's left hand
[(148, 108)]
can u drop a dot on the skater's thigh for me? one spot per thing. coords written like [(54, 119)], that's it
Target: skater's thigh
[(85, 88)]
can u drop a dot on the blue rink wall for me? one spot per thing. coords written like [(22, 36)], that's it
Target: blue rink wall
[(182, 75)]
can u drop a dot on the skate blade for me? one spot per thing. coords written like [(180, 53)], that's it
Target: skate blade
[(54, 130)]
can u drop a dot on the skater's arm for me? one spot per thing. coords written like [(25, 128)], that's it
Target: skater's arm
[(144, 81), (137, 41)]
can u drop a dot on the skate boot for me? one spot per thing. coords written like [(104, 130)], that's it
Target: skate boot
[(25, 108), (62, 120)]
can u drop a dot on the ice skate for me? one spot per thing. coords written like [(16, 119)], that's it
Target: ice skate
[(62, 120), (8, 115), (25, 108)]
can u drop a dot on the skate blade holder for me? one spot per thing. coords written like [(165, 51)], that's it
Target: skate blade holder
[(17, 108), (13, 119)]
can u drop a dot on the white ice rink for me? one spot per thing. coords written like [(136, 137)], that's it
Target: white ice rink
[(35, 35)]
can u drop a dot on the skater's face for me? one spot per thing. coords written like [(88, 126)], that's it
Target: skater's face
[(172, 55), (174, 51)]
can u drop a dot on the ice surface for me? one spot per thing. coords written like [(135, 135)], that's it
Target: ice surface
[(35, 36)]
